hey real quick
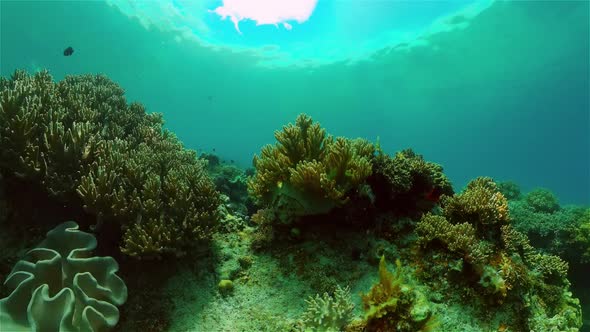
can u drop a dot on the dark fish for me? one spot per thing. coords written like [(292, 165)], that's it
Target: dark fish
[(68, 51), (210, 98), (231, 161)]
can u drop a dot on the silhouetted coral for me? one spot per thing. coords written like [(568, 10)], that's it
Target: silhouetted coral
[(407, 184), (510, 190)]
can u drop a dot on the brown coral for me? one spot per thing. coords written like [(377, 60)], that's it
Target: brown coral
[(307, 171), (80, 141)]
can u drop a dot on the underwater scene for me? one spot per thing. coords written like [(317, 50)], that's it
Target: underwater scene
[(294, 165)]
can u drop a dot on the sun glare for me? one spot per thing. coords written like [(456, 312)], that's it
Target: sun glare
[(273, 12)]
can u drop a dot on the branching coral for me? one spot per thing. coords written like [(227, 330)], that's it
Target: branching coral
[(549, 226), (328, 313), (407, 184), (475, 227), (542, 200), (481, 204), (307, 171), (581, 235), (79, 140)]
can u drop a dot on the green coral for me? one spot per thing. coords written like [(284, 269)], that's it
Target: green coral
[(231, 181), (554, 231), (80, 141), (510, 190), (567, 317), (407, 184), (328, 313), (59, 287), (542, 200), (308, 172), (581, 236)]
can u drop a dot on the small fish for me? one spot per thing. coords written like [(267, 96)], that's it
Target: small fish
[(68, 51), (210, 98), (231, 161)]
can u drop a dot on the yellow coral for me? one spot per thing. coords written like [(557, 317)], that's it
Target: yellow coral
[(307, 171)]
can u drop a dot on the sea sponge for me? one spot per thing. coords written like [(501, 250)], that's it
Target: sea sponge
[(60, 287), (308, 172)]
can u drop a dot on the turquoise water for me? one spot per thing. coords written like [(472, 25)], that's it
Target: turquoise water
[(501, 90)]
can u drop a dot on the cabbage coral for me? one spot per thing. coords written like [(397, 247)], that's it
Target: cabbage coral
[(307, 171), (59, 286)]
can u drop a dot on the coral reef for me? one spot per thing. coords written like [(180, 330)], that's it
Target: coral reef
[(581, 236), (308, 172), (231, 181), (542, 200), (475, 229), (60, 287), (510, 190), (406, 184), (328, 313), (79, 141), (328, 211), (548, 225)]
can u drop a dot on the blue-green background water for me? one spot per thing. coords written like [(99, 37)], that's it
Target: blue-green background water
[(503, 94)]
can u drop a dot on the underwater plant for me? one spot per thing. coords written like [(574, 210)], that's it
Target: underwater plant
[(79, 141), (308, 172), (60, 287), (394, 304)]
